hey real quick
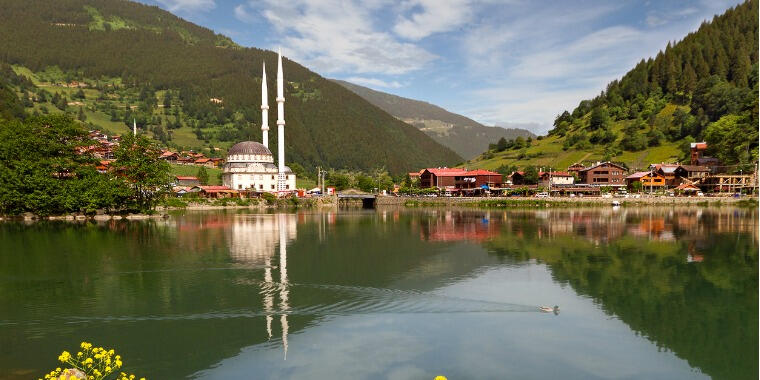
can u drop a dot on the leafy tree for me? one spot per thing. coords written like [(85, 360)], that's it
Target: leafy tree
[(519, 143), (599, 119), (655, 137), (501, 145), (732, 140), (633, 139), (202, 175), (531, 175), (138, 162)]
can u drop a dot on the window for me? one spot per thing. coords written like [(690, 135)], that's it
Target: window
[(273, 178), (272, 187), (261, 187), (286, 177), (287, 186), (240, 186)]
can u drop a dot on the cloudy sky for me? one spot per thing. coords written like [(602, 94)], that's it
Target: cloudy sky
[(506, 62)]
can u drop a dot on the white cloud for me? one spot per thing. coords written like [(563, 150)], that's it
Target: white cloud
[(374, 82), (188, 5), (337, 36), (434, 16)]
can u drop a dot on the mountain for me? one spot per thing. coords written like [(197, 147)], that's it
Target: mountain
[(193, 88), (465, 136), (702, 88)]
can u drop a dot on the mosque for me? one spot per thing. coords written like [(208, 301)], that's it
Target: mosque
[(250, 165)]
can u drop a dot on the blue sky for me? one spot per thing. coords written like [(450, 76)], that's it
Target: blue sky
[(505, 62)]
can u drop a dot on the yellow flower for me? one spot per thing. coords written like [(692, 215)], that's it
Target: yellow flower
[(72, 377), (65, 356), (108, 369), (440, 377), (111, 352)]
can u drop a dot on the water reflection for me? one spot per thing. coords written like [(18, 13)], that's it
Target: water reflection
[(204, 293)]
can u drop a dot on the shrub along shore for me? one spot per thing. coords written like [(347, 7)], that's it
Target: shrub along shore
[(171, 204)]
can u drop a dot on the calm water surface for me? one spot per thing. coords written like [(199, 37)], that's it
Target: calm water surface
[(644, 293)]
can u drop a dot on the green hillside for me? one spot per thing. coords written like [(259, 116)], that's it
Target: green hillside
[(465, 136), (132, 56), (703, 88)]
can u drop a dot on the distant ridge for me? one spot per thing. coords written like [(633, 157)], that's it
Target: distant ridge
[(465, 136)]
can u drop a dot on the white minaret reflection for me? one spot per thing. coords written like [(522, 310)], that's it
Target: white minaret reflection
[(284, 292), (264, 107), (253, 240)]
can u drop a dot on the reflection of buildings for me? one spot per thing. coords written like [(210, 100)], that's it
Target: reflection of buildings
[(252, 240), (459, 226)]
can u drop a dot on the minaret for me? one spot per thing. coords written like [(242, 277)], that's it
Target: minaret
[(264, 107), (280, 125), (134, 127)]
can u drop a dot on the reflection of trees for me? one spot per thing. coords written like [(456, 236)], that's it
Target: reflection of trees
[(706, 312)]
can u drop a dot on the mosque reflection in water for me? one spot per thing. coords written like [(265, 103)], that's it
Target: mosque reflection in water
[(253, 240)]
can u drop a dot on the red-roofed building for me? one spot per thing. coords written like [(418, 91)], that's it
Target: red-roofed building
[(458, 178), (555, 179), (205, 162), (604, 174), (187, 181), (214, 191), (440, 177)]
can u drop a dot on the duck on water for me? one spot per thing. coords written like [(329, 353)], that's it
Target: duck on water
[(549, 309)]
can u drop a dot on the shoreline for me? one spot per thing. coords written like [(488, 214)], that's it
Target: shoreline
[(496, 202), (162, 212)]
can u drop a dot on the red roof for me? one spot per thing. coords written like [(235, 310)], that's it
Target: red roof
[(187, 178), (202, 160), (481, 172), (456, 172), (447, 172)]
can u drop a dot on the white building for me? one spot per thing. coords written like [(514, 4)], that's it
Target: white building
[(250, 165)]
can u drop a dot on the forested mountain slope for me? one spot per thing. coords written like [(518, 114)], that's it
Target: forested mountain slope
[(133, 57), (465, 136), (705, 87)]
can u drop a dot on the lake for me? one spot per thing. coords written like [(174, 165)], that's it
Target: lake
[(655, 293)]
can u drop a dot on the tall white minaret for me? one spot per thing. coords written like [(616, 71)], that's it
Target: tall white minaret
[(264, 107), (280, 125)]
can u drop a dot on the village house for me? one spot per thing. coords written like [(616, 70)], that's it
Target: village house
[(516, 178), (440, 177), (603, 174), (187, 181), (169, 156), (695, 173), (214, 191), (477, 179), (207, 162), (555, 179), (647, 180), (575, 169), (457, 179)]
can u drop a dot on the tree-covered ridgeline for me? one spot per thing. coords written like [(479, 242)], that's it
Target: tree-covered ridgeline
[(43, 170), (148, 48), (709, 78)]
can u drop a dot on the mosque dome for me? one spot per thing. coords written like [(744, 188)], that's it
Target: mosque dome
[(249, 147)]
